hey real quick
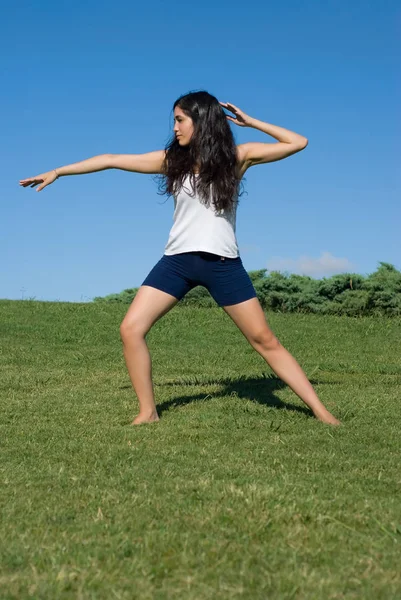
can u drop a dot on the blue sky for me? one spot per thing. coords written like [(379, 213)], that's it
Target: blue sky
[(83, 79)]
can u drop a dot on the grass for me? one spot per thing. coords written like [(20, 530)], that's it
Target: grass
[(238, 492)]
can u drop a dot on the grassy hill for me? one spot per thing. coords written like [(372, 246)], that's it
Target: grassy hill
[(238, 492)]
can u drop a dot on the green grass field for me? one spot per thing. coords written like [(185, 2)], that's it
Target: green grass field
[(237, 492)]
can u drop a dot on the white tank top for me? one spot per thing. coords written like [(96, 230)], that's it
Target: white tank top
[(197, 227)]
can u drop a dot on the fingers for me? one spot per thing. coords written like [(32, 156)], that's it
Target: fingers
[(227, 105), (31, 181), (230, 106), (28, 183)]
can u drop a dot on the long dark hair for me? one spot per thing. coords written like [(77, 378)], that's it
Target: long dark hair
[(212, 149)]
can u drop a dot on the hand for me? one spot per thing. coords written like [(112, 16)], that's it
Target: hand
[(242, 119), (45, 179)]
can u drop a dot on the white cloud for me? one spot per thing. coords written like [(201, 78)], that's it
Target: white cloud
[(326, 265)]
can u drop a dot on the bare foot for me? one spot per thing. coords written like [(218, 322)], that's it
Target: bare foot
[(145, 418), (327, 417)]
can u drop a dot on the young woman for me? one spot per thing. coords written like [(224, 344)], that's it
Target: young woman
[(202, 168)]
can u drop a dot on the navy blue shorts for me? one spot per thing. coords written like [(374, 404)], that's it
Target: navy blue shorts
[(225, 278)]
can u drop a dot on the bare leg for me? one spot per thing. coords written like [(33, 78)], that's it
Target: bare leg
[(147, 307), (287, 368), (250, 319), (139, 365)]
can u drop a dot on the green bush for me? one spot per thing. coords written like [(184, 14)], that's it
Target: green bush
[(344, 294)]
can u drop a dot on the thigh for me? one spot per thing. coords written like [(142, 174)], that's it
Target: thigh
[(173, 274), (148, 306), (251, 321), (229, 283)]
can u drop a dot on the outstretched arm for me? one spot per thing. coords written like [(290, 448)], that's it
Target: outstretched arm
[(256, 153), (151, 162)]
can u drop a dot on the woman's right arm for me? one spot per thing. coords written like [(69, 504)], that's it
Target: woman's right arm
[(151, 163)]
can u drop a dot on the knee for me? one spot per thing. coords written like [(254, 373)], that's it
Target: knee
[(267, 341), (131, 331)]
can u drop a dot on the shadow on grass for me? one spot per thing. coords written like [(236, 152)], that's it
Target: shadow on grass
[(259, 390)]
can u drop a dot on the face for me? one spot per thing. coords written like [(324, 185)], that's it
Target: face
[(183, 127)]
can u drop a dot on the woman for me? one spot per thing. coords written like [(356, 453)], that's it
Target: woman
[(202, 168)]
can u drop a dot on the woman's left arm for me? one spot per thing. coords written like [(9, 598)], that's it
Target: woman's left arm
[(255, 153)]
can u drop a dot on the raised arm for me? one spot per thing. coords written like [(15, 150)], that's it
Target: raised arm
[(151, 162), (257, 153)]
